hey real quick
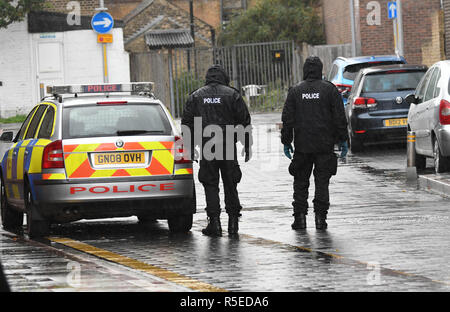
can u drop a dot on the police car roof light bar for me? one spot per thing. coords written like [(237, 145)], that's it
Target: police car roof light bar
[(101, 88)]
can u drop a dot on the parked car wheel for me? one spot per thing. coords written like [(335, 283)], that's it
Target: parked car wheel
[(11, 219), (355, 144), (35, 227), (440, 162)]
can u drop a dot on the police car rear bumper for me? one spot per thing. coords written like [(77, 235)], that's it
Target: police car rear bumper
[(92, 199), (93, 190)]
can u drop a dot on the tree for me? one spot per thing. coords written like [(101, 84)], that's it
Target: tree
[(15, 10), (273, 20)]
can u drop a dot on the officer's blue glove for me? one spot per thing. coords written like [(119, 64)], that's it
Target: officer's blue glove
[(288, 150), (344, 149)]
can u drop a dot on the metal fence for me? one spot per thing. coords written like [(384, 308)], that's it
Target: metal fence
[(262, 72)]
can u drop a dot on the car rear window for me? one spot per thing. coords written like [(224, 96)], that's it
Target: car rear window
[(351, 71), (114, 120), (392, 81)]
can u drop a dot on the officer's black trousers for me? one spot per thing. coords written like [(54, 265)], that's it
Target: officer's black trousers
[(209, 176), (301, 168)]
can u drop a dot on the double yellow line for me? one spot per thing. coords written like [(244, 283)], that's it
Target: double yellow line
[(138, 265)]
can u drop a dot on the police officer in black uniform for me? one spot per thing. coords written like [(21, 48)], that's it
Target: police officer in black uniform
[(218, 104), (313, 117)]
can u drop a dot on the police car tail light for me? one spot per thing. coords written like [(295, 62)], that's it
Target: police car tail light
[(444, 112), (53, 155), (362, 102), (180, 157)]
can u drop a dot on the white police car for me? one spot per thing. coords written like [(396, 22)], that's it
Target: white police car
[(97, 153)]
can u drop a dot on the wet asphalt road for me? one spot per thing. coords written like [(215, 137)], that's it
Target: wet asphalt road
[(383, 235)]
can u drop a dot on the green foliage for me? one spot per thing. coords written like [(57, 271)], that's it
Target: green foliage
[(184, 84), (14, 119), (15, 11), (274, 20)]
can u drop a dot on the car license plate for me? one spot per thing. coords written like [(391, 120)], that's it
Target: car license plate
[(122, 158), (395, 122)]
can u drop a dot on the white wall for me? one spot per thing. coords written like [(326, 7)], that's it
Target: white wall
[(16, 62), (83, 58), (81, 62)]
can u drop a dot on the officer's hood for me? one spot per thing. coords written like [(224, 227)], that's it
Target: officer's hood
[(312, 69), (216, 74)]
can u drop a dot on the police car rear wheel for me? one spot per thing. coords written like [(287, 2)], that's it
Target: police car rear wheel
[(11, 219), (35, 227), (180, 223)]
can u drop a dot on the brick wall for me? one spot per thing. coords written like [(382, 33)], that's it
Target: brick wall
[(174, 18), (206, 10), (422, 28), (336, 17), (446, 17), (117, 8)]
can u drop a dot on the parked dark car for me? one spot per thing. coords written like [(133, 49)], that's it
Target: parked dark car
[(345, 69), (376, 110)]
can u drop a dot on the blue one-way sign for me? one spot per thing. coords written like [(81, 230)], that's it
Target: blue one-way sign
[(392, 10), (102, 22)]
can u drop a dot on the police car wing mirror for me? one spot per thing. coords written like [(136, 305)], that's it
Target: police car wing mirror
[(411, 99), (7, 136)]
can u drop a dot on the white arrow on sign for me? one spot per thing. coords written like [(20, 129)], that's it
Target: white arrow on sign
[(392, 8), (106, 22)]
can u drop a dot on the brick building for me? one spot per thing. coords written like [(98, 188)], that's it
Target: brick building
[(422, 28), (446, 13), (153, 15)]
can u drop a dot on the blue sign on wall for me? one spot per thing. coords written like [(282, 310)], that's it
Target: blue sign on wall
[(102, 22), (392, 10)]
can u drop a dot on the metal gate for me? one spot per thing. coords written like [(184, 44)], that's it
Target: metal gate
[(262, 72)]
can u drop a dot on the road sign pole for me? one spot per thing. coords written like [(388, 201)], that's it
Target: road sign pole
[(352, 24), (105, 63), (394, 24), (400, 28), (102, 23)]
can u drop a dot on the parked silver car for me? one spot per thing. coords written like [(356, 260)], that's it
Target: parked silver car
[(429, 117)]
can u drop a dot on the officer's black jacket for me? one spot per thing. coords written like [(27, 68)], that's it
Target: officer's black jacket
[(313, 114), (216, 103)]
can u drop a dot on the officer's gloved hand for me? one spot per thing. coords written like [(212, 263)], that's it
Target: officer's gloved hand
[(247, 153), (344, 149), (288, 149), (194, 155)]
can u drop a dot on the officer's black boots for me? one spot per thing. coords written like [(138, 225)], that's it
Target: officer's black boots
[(299, 222), (214, 228), (321, 223), (233, 224)]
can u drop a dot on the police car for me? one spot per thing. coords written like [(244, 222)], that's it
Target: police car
[(96, 153)]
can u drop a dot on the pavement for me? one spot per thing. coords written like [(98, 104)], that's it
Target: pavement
[(384, 235)]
